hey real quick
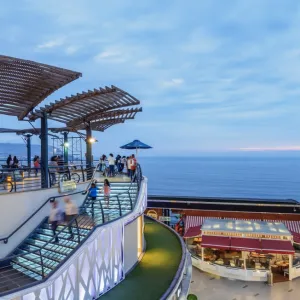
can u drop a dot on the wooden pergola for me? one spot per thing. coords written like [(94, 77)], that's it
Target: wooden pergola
[(24, 84), (83, 107)]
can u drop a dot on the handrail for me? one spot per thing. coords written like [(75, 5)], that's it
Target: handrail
[(33, 214), (5, 240), (181, 266), (8, 259)]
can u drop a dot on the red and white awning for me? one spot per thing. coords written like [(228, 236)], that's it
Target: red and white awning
[(277, 246), (217, 242), (193, 232), (191, 221), (245, 244)]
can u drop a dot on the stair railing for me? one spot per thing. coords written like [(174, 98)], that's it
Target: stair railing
[(5, 239), (79, 222)]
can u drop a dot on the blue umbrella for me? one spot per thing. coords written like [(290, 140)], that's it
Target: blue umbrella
[(136, 144)]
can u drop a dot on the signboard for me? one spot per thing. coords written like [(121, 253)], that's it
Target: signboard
[(67, 186), (164, 219), (152, 213)]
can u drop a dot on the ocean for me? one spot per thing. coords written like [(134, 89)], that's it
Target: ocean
[(247, 177)]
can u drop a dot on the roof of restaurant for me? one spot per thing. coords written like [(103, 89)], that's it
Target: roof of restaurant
[(24, 84), (243, 226), (87, 106)]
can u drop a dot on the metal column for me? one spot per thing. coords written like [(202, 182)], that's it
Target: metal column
[(66, 148), (44, 151), (89, 159), (28, 146)]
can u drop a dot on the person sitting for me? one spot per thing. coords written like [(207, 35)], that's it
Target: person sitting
[(15, 163)]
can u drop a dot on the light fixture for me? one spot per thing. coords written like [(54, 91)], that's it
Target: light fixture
[(91, 140), (66, 144)]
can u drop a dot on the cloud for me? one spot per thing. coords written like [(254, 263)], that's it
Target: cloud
[(175, 82), (71, 50), (230, 68), (51, 43)]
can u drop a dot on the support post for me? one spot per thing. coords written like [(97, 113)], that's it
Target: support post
[(290, 266), (66, 148), (202, 253), (44, 151), (28, 146), (89, 151)]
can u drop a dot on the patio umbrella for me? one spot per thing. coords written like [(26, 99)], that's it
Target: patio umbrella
[(136, 144)]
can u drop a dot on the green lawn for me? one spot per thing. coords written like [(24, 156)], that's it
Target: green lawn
[(154, 274)]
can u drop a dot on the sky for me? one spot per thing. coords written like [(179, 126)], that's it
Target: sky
[(212, 76)]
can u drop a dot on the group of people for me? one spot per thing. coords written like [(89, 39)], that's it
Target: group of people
[(57, 216), (12, 162), (124, 164)]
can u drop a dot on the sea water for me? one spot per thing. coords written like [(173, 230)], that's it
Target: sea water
[(247, 177)]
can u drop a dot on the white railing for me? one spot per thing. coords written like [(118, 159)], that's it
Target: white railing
[(95, 268)]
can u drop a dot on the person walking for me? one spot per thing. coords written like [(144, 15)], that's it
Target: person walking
[(55, 218), (111, 162), (93, 194), (71, 211)]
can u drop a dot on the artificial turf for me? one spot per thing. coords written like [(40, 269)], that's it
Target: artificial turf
[(155, 272)]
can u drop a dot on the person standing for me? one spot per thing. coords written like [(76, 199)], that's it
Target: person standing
[(93, 194), (123, 163), (55, 218), (36, 164), (106, 191), (129, 163), (133, 165), (118, 162), (52, 170), (111, 162), (8, 161), (71, 211)]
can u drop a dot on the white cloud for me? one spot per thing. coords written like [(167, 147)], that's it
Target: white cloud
[(175, 82), (71, 50), (52, 43)]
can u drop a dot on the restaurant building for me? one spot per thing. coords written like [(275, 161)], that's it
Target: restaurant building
[(249, 250)]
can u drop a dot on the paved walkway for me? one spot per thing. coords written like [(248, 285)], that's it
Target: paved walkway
[(209, 287), (154, 274)]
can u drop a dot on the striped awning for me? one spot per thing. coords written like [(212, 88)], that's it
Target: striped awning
[(292, 226), (193, 232)]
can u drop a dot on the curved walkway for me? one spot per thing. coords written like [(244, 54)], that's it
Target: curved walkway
[(210, 287), (154, 274)]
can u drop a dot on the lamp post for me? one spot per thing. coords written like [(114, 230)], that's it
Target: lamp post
[(66, 148), (44, 151)]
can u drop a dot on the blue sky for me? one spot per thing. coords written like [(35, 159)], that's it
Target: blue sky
[(211, 75)]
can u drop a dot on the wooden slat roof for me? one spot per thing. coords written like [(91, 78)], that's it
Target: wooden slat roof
[(24, 84), (102, 121), (86, 106)]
